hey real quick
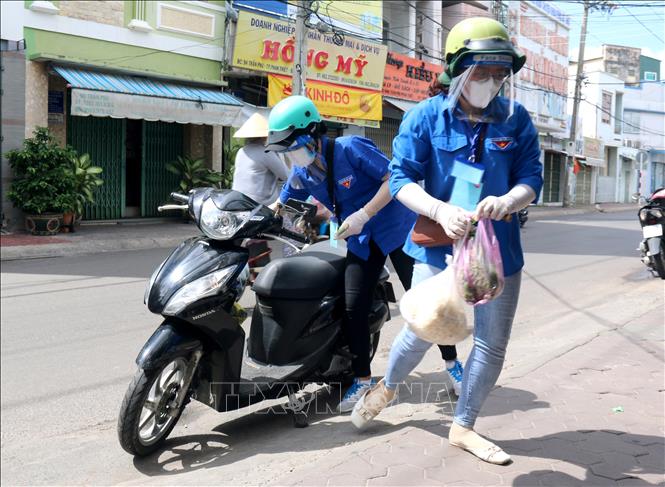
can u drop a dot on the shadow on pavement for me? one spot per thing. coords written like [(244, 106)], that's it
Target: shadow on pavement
[(433, 388), (607, 455), (269, 430)]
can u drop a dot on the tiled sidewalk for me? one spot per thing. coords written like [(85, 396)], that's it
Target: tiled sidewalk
[(594, 416)]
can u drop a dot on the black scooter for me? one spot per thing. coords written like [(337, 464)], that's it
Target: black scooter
[(652, 220), (523, 216), (199, 351)]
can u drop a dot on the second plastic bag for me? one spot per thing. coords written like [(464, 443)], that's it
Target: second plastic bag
[(434, 310), (478, 265)]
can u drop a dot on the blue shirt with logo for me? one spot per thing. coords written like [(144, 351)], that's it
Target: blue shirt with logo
[(359, 170), (430, 138)]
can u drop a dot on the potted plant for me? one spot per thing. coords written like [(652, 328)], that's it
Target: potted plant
[(86, 181), (193, 174), (43, 186)]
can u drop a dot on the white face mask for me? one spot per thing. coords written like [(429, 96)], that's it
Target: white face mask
[(481, 93), (301, 157)]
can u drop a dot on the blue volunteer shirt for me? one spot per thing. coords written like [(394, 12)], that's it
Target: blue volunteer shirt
[(429, 139), (359, 169)]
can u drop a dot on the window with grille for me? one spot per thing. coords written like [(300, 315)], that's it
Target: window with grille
[(606, 107), (631, 122)]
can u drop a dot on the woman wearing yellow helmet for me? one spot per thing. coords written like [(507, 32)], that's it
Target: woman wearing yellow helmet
[(478, 155)]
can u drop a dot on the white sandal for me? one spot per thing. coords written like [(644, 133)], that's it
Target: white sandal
[(492, 454), (367, 408)]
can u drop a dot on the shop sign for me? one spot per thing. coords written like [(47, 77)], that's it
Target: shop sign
[(331, 100), (56, 107), (375, 124), (408, 78), (268, 44), (362, 17), (594, 151), (594, 148), (152, 108)]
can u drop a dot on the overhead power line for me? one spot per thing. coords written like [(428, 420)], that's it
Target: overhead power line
[(643, 25)]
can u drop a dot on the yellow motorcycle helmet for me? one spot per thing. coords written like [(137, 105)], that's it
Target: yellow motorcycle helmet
[(479, 35)]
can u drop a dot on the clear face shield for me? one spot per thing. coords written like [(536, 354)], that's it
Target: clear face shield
[(302, 151), (485, 91)]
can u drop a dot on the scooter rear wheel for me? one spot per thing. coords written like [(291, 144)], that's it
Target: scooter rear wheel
[(148, 414), (659, 262)]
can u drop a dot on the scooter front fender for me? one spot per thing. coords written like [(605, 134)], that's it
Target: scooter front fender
[(168, 341)]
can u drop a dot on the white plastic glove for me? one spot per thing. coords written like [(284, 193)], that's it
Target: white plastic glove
[(453, 219), (494, 207), (352, 225), (498, 207)]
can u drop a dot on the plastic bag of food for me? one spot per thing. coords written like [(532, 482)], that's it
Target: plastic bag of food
[(434, 310), (478, 265)]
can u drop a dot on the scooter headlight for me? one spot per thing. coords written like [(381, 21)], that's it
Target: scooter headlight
[(205, 286), (219, 224)]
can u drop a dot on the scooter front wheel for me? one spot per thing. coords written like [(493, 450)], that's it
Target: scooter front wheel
[(149, 411)]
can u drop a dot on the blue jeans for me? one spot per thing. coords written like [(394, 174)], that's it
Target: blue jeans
[(492, 324)]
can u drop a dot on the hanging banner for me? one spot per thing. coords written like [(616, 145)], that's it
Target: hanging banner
[(362, 17), (408, 78), (268, 44), (331, 100)]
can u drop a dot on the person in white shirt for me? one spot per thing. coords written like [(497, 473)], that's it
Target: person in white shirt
[(258, 174)]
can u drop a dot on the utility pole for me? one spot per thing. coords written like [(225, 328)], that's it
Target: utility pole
[(299, 73), (568, 175)]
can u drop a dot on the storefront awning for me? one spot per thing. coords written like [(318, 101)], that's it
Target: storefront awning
[(593, 161), (121, 96), (403, 105)]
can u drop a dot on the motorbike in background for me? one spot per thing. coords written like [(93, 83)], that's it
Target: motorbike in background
[(199, 350), (652, 220)]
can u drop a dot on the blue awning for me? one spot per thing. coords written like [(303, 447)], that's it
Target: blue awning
[(122, 96)]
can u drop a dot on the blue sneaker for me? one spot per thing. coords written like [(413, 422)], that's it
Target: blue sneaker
[(455, 374), (353, 394)]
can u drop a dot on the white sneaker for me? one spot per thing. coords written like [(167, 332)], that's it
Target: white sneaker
[(371, 404), (353, 394)]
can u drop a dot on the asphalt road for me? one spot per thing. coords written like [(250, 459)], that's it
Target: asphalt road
[(71, 328)]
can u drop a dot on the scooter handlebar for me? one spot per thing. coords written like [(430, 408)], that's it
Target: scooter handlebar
[(171, 207), (182, 198)]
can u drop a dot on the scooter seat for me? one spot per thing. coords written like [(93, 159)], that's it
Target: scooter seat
[(309, 275)]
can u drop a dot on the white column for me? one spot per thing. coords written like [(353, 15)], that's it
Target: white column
[(216, 152)]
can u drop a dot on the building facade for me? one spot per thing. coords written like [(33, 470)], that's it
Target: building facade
[(133, 83), (622, 113), (541, 31), (606, 177), (644, 126)]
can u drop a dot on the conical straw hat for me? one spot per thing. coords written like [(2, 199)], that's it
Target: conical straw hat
[(255, 126)]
